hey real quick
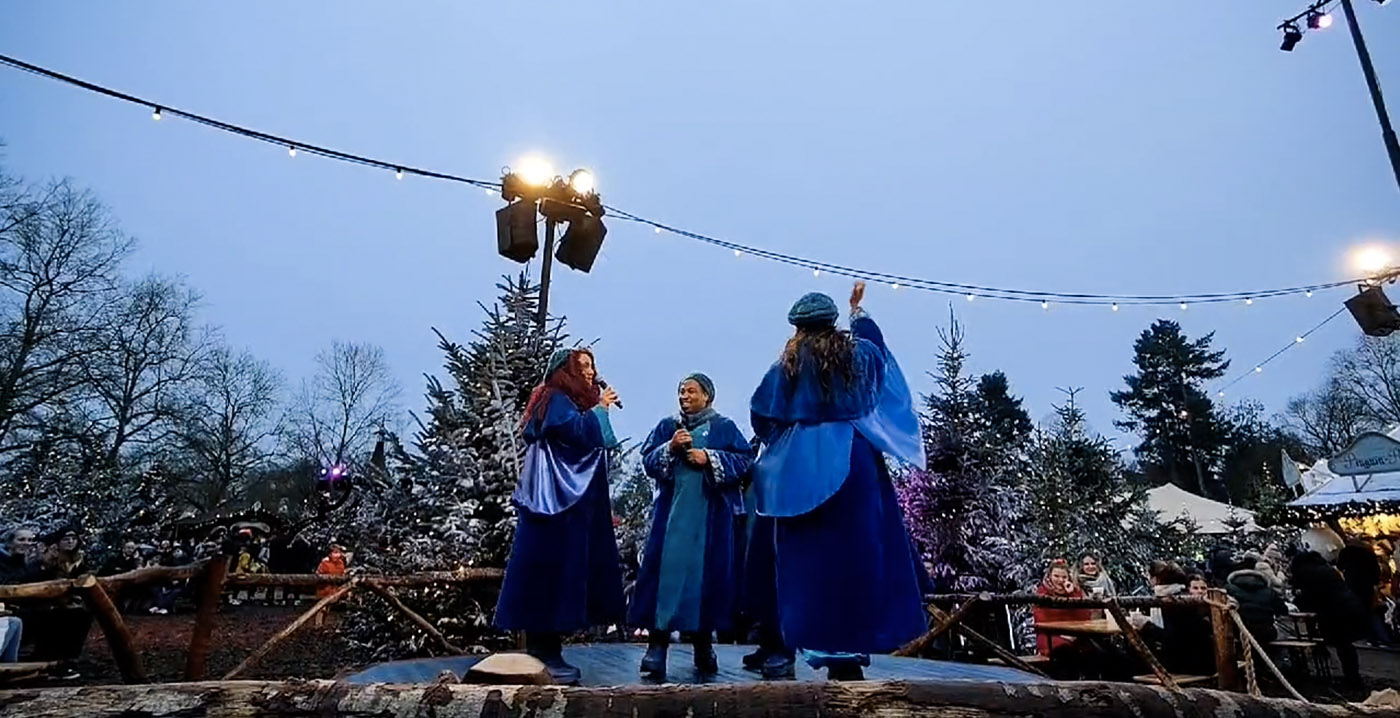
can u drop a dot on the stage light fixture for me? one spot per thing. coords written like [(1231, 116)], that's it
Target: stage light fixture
[(517, 234), (583, 182), (1373, 312), (1319, 21), (1291, 36)]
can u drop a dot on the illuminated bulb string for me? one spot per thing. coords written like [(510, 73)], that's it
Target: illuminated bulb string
[(971, 291), (1259, 366)]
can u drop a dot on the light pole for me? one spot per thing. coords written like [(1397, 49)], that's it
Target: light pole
[(1316, 19), (535, 190)]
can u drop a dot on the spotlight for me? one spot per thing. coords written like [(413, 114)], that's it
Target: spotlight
[(583, 182), (1318, 21), (1291, 35), (1373, 312), (534, 171), (581, 243), (517, 234)]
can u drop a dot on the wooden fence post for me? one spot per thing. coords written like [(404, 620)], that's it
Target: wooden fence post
[(211, 590), (1223, 630), (113, 627)]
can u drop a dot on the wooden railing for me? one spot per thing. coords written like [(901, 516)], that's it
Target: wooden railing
[(211, 578)]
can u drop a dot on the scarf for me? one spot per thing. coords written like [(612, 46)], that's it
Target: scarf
[(690, 421)]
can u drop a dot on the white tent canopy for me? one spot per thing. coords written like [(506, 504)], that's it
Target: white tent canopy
[(1209, 516), (1367, 471)]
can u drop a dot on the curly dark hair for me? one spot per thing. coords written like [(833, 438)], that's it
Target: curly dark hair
[(833, 350)]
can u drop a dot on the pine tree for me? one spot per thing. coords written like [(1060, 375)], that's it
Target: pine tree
[(961, 508), (448, 503), (1183, 437)]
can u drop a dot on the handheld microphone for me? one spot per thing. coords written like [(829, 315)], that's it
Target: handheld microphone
[(604, 385)]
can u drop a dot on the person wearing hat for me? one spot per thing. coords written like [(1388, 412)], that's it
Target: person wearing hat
[(686, 582), (846, 576), (564, 573)]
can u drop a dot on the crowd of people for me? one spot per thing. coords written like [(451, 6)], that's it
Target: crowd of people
[(1344, 600), (55, 630)]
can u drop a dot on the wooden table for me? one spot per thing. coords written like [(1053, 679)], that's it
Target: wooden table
[(1101, 627)]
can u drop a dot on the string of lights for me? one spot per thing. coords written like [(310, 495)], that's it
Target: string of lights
[(1259, 367), (896, 281)]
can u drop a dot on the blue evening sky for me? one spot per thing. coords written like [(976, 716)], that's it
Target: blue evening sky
[(1143, 147)]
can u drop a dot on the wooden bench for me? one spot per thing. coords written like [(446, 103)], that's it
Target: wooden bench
[(1180, 680)]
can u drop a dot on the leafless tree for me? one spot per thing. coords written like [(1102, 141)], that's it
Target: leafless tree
[(148, 354), (59, 259), (338, 410), (1369, 375), (227, 425), (1329, 418)]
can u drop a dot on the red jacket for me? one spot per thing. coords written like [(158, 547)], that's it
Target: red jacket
[(1044, 643)]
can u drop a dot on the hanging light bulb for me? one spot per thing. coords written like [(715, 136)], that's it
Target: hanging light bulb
[(1115, 306), (969, 297), (291, 151), (737, 253), (1258, 369), (1221, 393), (1044, 305), (816, 272), (1249, 300), (1183, 306), (656, 230), (155, 114), (489, 191), (1307, 293), (1298, 340), (398, 173), (895, 286)]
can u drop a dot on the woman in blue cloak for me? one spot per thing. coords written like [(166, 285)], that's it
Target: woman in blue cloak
[(846, 578), (564, 574), (686, 582)]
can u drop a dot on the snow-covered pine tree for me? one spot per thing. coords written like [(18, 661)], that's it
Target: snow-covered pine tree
[(961, 508), (448, 503), (1079, 500)]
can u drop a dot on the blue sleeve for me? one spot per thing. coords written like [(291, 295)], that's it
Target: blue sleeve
[(730, 458), (565, 424), (657, 458), (764, 428), (863, 327)]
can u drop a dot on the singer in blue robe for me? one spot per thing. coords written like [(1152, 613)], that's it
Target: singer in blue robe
[(686, 582), (564, 573), (846, 578)]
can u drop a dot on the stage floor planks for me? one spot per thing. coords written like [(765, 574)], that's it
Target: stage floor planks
[(616, 664)]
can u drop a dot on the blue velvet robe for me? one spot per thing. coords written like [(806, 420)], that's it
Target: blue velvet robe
[(564, 574), (847, 578), (686, 580)]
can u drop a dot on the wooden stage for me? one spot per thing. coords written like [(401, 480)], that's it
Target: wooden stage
[(616, 664)]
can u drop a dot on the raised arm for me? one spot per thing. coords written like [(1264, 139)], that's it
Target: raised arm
[(565, 424)]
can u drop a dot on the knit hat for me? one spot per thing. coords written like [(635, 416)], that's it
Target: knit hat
[(813, 310), (557, 360), (706, 385)]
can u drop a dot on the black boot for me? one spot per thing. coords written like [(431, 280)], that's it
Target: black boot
[(769, 642), (779, 665), (654, 662), (754, 661), (706, 662), (548, 649)]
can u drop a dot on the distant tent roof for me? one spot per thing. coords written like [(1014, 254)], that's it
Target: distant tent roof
[(1210, 516)]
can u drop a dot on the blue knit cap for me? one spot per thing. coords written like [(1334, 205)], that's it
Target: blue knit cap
[(557, 360), (706, 385), (813, 310)]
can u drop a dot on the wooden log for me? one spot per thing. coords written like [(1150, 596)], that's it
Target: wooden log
[(1261, 653), (412, 615), (917, 646), (515, 669), (1031, 599), (1135, 640), (211, 589), (965, 699), (113, 627), (111, 584), (1005, 655), (312, 580), (289, 630), (38, 590), (1223, 630)]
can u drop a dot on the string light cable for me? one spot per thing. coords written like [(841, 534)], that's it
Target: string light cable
[(1297, 340), (896, 281)]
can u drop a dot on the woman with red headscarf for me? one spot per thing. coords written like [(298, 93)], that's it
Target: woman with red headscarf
[(564, 573)]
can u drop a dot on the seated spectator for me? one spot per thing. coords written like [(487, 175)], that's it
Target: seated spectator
[(1196, 585), (1259, 602), (20, 562), (1057, 582), (1093, 579), (11, 633), (1184, 643), (57, 628)]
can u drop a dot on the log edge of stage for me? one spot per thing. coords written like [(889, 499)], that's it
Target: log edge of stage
[(915, 698)]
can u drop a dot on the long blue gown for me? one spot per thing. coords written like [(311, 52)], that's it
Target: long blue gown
[(564, 574), (686, 578), (846, 574)]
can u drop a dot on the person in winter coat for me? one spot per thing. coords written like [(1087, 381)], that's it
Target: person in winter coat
[(1184, 642), (1092, 577), (1362, 572), (332, 565), (1260, 602), (1057, 582), (1320, 589)]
